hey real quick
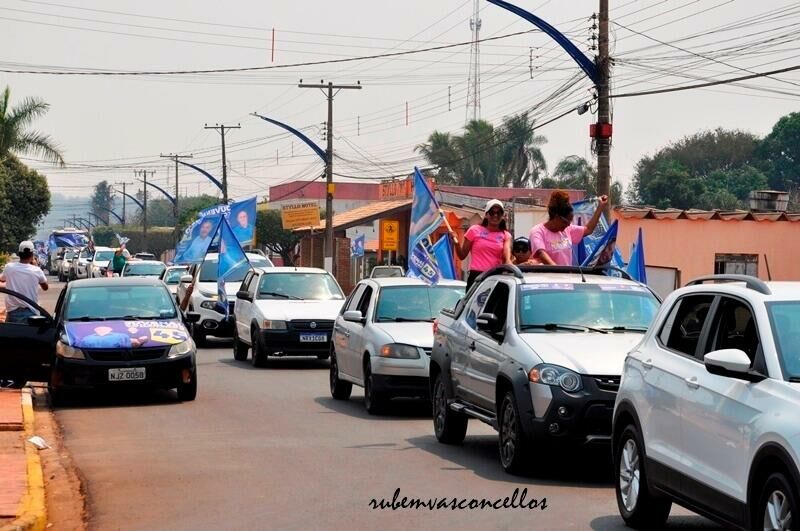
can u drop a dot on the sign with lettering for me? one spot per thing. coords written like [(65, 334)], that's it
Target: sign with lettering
[(300, 215), (390, 235)]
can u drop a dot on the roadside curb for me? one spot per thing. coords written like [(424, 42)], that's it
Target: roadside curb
[(32, 506)]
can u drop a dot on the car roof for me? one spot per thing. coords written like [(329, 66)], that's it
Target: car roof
[(779, 290), (573, 278), (113, 282), (287, 269), (406, 281)]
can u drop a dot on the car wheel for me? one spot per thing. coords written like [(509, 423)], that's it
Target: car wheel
[(449, 426), (199, 335), (513, 445), (340, 390), (240, 348), (374, 399), (188, 391), (259, 358), (637, 505), (778, 504)]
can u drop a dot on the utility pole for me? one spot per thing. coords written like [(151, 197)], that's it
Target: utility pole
[(330, 94), (603, 129), (221, 129), (124, 198), (176, 158), (144, 173)]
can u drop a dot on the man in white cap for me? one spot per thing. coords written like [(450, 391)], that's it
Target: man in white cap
[(25, 278)]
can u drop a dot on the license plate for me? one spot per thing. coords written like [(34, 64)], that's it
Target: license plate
[(123, 375), (313, 338)]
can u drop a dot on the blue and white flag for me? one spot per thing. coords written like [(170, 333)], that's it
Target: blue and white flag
[(602, 253), (192, 249), (241, 216), (231, 258), (426, 216), (357, 245), (582, 212), (443, 251), (122, 239), (636, 267)]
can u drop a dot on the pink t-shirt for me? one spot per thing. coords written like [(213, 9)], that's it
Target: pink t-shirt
[(487, 247), (558, 245)]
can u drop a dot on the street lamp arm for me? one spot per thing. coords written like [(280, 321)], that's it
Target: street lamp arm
[(112, 213), (172, 199), (129, 196), (586, 64), (204, 172), (318, 150)]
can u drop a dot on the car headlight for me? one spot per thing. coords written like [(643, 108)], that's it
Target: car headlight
[(398, 350), (568, 380), (181, 349), (274, 325), (209, 305), (63, 350)]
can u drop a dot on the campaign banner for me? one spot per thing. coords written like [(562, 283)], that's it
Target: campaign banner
[(426, 217), (582, 212), (125, 334), (241, 216), (67, 240), (122, 239), (231, 258), (602, 254), (192, 249), (357, 245), (443, 251), (636, 266)]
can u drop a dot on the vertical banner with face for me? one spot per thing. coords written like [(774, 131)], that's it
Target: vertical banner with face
[(231, 258), (242, 221), (193, 247)]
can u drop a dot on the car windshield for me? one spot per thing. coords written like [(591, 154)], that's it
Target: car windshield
[(415, 303), (299, 286), (103, 256), (133, 269), (173, 276), (98, 303), (785, 320), (208, 272), (69, 256), (578, 306)]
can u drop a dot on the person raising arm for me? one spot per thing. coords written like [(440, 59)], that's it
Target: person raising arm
[(489, 243)]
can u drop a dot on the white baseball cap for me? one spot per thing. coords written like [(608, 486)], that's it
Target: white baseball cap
[(493, 203), (26, 246)]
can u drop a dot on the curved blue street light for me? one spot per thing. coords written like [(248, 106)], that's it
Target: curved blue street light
[(113, 213), (318, 150), (129, 196), (172, 199), (204, 172)]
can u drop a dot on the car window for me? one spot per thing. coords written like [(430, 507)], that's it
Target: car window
[(682, 331), (355, 297), (498, 302), (118, 302), (299, 285), (363, 304), (734, 327), (134, 269), (246, 282), (103, 256), (785, 320), (476, 303), (173, 276), (208, 271), (415, 303)]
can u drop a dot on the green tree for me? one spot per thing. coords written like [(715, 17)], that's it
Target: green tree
[(780, 152), (103, 201), (24, 201), (523, 161), (441, 152), (271, 234), (16, 138), (481, 160)]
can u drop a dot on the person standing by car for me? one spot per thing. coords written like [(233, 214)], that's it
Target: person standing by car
[(489, 243), (23, 277), (118, 263), (552, 241)]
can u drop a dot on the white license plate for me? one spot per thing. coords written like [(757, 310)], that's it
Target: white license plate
[(123, 375), (313, 338)]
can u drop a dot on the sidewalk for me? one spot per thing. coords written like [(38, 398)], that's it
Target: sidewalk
[(21, 489)]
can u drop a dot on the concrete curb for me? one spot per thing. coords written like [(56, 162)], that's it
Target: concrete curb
[(32, 507)]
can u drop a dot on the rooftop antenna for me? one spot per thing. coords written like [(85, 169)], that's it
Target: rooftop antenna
[(474, 79)]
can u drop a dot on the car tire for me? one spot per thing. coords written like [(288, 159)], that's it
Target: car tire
[(240, 348), (778, 503), (449, 426), (199, 335), (513, 445), (340, 389), (639, 507), (259, 357), (188, 391), (374, 399)]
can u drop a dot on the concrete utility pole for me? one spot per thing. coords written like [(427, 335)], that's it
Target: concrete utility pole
[(328, 89), (221, 129), (176, 158), (144, 173), (124, 198), (603, 138)]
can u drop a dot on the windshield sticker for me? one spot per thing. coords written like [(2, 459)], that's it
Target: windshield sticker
[(622, 287), (560, 287), (125, 334)]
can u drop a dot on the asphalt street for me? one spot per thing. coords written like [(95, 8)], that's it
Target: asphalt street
[(269, 448)]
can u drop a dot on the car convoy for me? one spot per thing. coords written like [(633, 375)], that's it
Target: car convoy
[(696, 397)]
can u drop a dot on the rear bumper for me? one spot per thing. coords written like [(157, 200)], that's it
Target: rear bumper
[(164, 373)]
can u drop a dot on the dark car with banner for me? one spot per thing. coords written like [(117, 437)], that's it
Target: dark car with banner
[(104, 332)]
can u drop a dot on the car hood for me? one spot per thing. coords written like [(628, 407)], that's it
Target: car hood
[(125, 334), (416, 334), (231, 288), (585, 353), (287, 310)]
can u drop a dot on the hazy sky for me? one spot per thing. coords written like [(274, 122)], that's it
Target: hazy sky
[(110, 125)]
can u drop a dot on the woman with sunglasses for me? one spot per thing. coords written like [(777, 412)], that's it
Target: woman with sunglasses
[(552, 241), (489, 243)]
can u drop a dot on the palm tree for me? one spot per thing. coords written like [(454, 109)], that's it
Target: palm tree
[(478, 150), (523, 160), (576, 172), (441, 152), (16, 138)]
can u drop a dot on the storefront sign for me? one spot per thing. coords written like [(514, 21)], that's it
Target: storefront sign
[(300, 215), (390, 235), (401, 189)]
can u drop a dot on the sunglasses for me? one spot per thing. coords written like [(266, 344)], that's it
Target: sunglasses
[(495, 212)]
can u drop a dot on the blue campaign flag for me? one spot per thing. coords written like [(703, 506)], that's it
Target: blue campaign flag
[(192, 249), (443, 252), (636, 267), (231, 258), (602, 253), (426, 217), (582, 212), (357, 245), (67, 240), (242, 220)]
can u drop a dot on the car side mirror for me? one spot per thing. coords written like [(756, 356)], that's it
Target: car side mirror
[(38, 320), (192, 317), (489, 323), (89, 259), (186, 279), (731, 363), (353, 316), (243, 295)]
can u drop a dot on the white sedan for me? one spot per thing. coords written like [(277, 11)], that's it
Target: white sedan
[(382, 341), (285, 311)]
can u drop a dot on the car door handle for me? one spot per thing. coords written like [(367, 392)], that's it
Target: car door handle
[(647, 364), (692, 382), (472, 346)]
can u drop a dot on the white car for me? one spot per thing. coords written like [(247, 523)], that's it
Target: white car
[(383, 338), (203, 299), (81, 264), (172, 277), (143, 268), (100, 262), (61, 267), (706, 415), (285, 311)]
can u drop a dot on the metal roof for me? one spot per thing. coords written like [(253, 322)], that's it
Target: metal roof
[(647, 212)]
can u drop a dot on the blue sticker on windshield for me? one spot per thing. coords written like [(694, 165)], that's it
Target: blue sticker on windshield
[(553, 286), (622, 287)]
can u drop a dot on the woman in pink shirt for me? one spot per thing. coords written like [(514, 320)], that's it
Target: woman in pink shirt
[(552, 241), (489, 243)]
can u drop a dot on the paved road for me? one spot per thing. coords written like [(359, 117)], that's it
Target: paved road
[(269, 448)]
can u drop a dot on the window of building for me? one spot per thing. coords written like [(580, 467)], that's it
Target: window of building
[(736, 264)]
